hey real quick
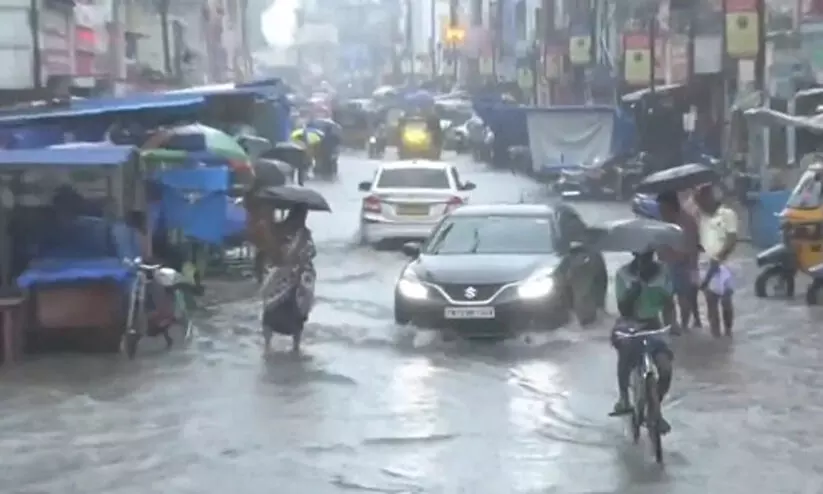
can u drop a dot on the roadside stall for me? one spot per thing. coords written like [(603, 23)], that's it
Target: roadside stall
[(64, 239)]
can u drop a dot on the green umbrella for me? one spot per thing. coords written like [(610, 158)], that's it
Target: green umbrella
[(161, 159), (198, 137)]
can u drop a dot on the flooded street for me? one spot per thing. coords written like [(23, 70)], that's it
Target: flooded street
[(369, 407)]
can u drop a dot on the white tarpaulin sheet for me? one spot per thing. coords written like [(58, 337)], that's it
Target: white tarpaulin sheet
[(569, 138)]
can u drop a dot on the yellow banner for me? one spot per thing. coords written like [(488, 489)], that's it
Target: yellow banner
[(742, 34), (580, 50), (637, 66)]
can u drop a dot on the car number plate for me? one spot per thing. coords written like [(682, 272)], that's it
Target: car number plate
[(412, 210), (469, 313)]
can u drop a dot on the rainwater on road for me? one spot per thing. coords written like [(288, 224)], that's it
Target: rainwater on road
[(370, 407)]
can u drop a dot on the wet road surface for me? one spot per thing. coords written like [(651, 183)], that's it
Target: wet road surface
[(370, 407)]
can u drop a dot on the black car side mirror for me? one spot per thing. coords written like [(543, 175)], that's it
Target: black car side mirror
[(364, 186), (468, 186), (411, 249)]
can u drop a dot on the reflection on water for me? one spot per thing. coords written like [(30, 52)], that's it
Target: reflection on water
[(361, 412)]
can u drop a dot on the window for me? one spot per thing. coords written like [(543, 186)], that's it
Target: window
[(807, 194), (492, 235), (414, 178)]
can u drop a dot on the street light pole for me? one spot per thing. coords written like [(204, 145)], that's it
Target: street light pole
[(653, 46), (37, 55), (433, 38)]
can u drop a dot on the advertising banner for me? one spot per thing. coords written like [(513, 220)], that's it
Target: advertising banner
[(742, 29), (636, 59), (580, 45)]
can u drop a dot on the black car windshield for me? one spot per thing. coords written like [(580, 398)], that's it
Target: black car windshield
[(414, 178), (492, 235)]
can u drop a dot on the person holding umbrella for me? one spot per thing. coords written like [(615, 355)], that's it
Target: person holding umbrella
[(682, 263)]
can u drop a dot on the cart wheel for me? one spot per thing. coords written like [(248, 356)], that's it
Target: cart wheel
[(813, 292)]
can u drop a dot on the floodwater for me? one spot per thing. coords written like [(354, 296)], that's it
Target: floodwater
[(370, 407)]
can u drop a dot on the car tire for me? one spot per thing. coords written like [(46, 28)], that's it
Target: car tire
[(813, 292), (362, 240), (401, 315)]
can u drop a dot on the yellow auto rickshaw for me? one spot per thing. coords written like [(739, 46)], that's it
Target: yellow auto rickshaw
[(416, 141), (802, 247)]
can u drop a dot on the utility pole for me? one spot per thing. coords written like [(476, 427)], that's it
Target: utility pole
[(454, 24), (433, 39), (410, 39), (653, 12), (115, 44), (163, 11), (37, 55)]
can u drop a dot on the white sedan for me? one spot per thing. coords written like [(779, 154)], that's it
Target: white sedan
[(407, 199)]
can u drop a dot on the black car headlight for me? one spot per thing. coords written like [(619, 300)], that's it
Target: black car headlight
[(536, 286)]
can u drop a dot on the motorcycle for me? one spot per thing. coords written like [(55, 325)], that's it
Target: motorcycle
[(326, 165), (455, 137), (614, 178), (376, 147)]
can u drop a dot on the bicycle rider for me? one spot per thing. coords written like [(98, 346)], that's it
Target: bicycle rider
[(644, 293)]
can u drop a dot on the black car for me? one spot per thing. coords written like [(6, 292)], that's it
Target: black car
[(496, 270)]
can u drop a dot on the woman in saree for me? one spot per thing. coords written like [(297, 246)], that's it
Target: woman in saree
[(288, 288)]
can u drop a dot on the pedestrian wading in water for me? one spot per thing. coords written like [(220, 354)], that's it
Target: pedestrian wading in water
[(682, 263), (717, 225), (288, 288)]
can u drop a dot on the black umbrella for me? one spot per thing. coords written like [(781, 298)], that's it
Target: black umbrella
[(636, 235), (271, 173), (289, 196), (290, 152), (678, 178), (326, 125)]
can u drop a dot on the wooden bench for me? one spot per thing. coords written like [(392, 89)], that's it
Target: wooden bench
[(11, 309)]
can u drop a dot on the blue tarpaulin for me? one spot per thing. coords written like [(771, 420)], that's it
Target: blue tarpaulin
[(101, 106), (195, 202), (88, 249), (48, 271), (113, 156)]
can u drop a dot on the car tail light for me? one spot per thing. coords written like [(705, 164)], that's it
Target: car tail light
[(453, 203), (372, 204), (243, 167)]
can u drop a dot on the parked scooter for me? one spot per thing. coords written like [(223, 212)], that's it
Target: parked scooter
[(614, 178)]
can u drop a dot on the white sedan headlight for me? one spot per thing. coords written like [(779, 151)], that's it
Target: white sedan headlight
[(538, 286), (411, 288)]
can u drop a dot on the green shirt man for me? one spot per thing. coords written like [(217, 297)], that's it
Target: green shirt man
[(655, 293)]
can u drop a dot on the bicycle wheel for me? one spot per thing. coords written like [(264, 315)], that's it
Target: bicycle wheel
[(653, 417), (637, 405), (134, 322)]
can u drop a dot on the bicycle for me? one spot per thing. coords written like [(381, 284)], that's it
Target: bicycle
[(137, 324), (643, 390)]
